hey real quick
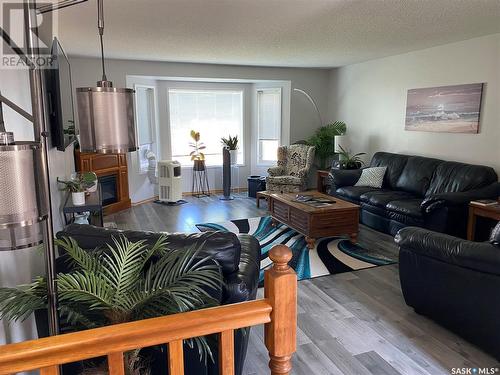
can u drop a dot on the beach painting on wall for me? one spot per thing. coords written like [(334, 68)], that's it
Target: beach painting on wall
[(451, 109)]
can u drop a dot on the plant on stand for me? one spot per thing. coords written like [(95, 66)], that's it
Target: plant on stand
[(324, 141), (350, 161), (126, 281), (77, 186), (232, 144), (197, 156)]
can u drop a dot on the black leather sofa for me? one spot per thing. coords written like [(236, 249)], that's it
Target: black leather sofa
[(417, 191), (238, 257), (454, 282)]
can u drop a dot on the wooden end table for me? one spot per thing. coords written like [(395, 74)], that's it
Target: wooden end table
[(491, 212), (262, 195), (339, 218), (321, 176)]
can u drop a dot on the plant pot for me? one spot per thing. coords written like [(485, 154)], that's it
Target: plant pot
[(78, 198), (199, 165), (233, 156)]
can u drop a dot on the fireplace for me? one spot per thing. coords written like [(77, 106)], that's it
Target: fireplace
[(109, 189), (112, 172)]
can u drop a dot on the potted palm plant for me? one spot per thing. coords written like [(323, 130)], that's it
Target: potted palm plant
[(232, 144), (125, 282), (324, 141), (197, 156)]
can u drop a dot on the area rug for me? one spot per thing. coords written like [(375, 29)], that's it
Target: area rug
[(331, 255)]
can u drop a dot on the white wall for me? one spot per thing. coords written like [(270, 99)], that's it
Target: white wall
[(371, 98), (20, 266), (303, 119)]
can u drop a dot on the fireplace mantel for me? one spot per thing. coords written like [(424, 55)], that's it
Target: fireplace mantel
[(107, 165)]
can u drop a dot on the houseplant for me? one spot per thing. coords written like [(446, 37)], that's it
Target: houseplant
[(77, 186), (125, 282), (197, 156), (324, 141), (350, 161), (232, 144)]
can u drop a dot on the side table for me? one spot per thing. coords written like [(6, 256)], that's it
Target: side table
[(491, 212), (321, 176), (93, 204)]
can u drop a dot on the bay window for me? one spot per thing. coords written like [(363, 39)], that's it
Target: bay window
[(215, 113)]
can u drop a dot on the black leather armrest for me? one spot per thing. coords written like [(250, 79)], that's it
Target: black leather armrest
[(479, 256), (242, 285), (343, 177), (435, 201)]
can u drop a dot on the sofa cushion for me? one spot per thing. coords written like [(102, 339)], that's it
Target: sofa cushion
[(417, 175), (495, 235), (382, 197), (457, 177), (372, 177), (353, 192), (408, 207), (395, 164)]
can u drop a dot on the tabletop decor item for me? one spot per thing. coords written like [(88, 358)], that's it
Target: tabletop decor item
[(77, 186)]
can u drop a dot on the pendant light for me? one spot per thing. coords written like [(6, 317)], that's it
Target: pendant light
[(106, 114)]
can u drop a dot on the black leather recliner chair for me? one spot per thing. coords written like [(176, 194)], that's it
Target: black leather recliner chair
[(417, 191), (454, 282), (237, 255)]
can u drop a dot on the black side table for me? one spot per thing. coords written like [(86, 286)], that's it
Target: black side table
[(93, 204)]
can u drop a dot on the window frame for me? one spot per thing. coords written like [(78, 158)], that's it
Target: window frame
[(145, 147), (241, 137), (260, 162)]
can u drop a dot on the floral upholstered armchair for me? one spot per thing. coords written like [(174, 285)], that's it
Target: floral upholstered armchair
[(294, 163)]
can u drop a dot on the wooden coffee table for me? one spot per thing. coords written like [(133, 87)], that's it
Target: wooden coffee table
[(340, 218)]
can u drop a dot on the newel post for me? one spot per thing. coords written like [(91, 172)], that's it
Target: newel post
[(280, 289)]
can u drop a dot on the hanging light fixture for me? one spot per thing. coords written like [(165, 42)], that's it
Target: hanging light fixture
[(22, 207), (106, 114)]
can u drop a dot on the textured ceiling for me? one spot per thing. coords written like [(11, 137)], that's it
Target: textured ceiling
[(298, 33)]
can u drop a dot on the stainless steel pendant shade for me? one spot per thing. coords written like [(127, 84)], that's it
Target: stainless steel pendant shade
[(22, 206), (106, 119)]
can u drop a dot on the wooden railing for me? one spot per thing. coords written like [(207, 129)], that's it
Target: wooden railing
[(278, 311)]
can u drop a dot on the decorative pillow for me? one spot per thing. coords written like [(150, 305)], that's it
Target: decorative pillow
[(372, 177), (495, 235)]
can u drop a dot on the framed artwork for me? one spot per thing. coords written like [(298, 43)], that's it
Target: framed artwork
[(449, 109)]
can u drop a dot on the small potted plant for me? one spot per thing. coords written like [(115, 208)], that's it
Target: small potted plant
[(232, 144), (197, 156), (349, 161), (77, 186), (89, 179)]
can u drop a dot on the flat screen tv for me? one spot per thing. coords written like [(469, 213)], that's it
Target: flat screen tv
[(60, 99)]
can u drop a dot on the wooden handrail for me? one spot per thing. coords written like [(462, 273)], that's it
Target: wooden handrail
[(278, 311)]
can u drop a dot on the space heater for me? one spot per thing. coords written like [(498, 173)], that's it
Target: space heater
[(169, 181)]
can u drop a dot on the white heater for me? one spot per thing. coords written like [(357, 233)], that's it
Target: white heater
[(169, 181)]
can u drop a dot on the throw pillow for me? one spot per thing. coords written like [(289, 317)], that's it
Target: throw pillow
[(372, 177), (495, 235)]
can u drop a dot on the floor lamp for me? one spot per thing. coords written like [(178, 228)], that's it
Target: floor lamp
[(25, 199)]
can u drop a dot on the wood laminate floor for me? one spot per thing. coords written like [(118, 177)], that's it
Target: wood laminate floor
[(354, 323)]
